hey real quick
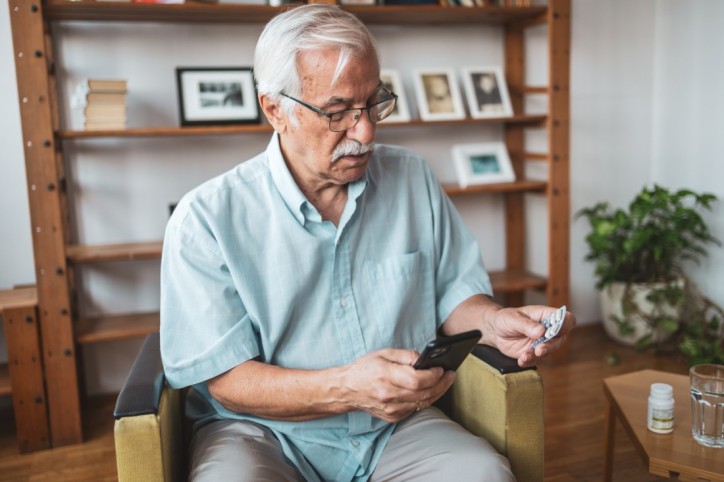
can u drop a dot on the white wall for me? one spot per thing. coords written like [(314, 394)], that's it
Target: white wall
[(612, 64), (627, 60), (16, 250), (688, 143)]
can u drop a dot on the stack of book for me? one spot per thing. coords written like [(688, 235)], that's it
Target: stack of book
[(105, 104)]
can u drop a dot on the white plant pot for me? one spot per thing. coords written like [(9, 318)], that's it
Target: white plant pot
[(611, 307)]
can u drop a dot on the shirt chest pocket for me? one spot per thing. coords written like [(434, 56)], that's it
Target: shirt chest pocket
[(399, 309)]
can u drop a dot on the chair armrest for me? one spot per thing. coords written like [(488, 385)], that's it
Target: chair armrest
[(504, 405), (141, 392), (148, 431), (502, 363)]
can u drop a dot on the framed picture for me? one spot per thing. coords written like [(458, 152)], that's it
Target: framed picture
[(487, 92), (482, 163), (438, 95), (391, 80), (216, 96)]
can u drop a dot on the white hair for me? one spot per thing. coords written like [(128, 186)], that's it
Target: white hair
[(307, 27)]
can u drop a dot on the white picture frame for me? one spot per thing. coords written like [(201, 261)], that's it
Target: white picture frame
[(486, 92), (438, 95), (482, 163), (391, 80)]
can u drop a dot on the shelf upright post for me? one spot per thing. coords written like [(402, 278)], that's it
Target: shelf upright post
[(559, 49), (48, 213), (515, 257)]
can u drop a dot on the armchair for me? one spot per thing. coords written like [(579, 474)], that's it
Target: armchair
[(492, 397)]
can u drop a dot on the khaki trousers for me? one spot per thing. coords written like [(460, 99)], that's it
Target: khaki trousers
[(427, 446)]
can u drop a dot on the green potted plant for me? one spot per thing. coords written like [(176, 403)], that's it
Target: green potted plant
[(639, 253)]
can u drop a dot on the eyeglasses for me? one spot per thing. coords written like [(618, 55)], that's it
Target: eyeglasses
[(342, 120)]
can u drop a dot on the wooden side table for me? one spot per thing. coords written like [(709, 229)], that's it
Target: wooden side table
[(666, 455), (18, 310)]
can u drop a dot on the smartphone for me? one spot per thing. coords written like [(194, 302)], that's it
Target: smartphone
[(448, 352)]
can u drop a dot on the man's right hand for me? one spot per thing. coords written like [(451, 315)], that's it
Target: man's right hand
[(384, 384)]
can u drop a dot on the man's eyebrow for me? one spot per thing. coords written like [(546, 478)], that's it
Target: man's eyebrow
[(347, 101), (336, 101)]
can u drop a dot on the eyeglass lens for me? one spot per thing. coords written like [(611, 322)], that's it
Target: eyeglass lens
[(341, 121)]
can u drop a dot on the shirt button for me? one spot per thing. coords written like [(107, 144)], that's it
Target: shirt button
[(355, 442), (344, 302)]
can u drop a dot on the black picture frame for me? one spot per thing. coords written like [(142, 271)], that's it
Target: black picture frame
[(217, 96)]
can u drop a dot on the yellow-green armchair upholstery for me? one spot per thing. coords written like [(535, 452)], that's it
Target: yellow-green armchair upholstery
[(491, 398)]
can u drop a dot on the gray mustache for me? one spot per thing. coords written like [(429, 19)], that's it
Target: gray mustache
[(352, 148)]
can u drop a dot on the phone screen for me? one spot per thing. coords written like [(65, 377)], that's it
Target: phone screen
[(448, 352)]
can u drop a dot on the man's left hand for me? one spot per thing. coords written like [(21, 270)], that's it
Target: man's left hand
[(515, 330)]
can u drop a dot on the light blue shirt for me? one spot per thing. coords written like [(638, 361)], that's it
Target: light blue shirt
[(250, 269)]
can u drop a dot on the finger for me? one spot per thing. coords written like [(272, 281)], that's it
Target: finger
[(401, 357), (532, 329), (423, 399), (547, 348), (407, 378), (569, 323), (527, 359), (536, 312)]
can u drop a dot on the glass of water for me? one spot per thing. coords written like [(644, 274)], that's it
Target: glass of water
[(707, 404)]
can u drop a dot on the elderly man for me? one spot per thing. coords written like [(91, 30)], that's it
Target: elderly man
[(296, 287)]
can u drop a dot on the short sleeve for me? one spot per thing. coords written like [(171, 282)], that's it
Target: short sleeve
[(205, 328)]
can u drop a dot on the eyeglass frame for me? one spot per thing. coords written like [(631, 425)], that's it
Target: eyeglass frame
[(329, 115)]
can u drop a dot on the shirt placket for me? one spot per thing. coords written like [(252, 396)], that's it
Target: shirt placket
[(346, 315)]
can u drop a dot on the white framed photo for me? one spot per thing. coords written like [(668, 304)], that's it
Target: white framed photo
[(438, 95), (391, 81), (482, 163), (217, 96), (487, 92)]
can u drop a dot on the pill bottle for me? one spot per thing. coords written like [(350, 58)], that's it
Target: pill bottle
[(661, 408)]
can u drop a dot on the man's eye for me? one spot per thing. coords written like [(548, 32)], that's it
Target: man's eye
[(339, 115)]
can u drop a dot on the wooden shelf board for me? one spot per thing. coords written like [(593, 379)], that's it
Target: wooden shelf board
[(197, 12), (18, 298), (515, 281), (502, 187), (114, 252), (267, 129), (117, 327), (5, 387), (168, 131), (516, 119)]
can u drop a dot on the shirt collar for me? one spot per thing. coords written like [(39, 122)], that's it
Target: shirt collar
[(283, 180), (293, 197)]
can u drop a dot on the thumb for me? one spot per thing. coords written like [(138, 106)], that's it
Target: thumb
[(530, 328), (401, 357)]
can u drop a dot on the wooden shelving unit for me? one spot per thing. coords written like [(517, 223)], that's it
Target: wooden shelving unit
[(113, 328), (113, 252), (22, 377), (200, 12), (5, 387), (64, 333)]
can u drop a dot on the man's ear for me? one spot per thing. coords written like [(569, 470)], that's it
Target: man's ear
[(273, 113)]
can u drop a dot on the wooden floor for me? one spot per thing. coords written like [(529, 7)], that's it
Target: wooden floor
[(574, 412)]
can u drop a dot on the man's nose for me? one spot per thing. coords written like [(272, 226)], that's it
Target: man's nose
[(364, 130)]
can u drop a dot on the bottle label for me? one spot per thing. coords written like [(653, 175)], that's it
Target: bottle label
[(661, 418)]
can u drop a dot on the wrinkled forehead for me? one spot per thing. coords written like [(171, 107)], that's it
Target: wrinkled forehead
[(328, 67)]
